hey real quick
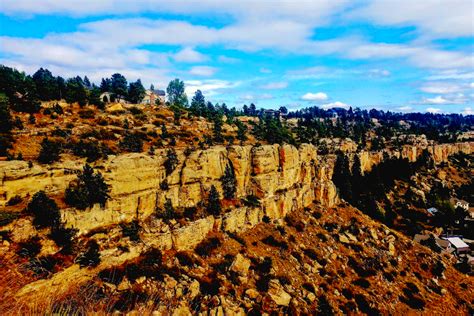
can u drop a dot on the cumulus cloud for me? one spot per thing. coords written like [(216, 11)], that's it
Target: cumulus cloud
[(433, 110), (255, 97), (210, 87), (189, 55), (440, 88), (450, 99), (319, 96), (379, 73), (433, 18), (205, 71), (275, 85), (405, 108), (227, 60), (336, 104), (468, 111)]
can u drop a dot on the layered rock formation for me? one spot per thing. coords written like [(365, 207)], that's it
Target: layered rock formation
[(284, 178)]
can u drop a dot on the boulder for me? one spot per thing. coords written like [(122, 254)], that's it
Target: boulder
[(240, 265)]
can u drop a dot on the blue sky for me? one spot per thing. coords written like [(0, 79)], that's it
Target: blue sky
[(398, 55)]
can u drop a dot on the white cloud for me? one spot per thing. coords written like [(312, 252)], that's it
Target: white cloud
[(379, 73), (449, 99), (440, 88), (265, 71), (189, 55), (204, 71), (210, 87), (434, 18), (404, 108), (227, 60), (436, 100), (433, 110), (336, 104), (255, 97), (319, 96), (468, 111), (275, 85)]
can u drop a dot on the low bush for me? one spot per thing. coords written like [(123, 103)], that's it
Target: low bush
[(44, 210), (131, 230), (205, 247), (91, 257), (132, 143), (8, 217), (88, 189), (50, 151), (30, 248)]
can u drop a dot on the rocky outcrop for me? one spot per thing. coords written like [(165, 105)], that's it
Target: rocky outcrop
[(284, 178)]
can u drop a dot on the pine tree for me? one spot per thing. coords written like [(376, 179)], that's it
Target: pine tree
[(241, 131), (91, 257), (213, 203), (341, 176), (45, 210), (229, 183), (50, 151), (6, 122), (88, 189), (171, 161)]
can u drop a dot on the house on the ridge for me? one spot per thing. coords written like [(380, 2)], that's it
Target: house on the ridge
[(153, 97), (108, 97), (460, 203)]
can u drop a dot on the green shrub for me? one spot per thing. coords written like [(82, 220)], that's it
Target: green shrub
[(229, 183), (171, 161), (50, 151), (88, 189), (213, 203), (131, 230), (91, 257), (45, 211), (132, 143), (8, 217)]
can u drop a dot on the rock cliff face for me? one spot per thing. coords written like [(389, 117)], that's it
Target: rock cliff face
[(284, 178)]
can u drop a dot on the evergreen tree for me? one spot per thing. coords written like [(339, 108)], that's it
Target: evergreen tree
[(176, 94), (252, 110), (105, 85), (245, 109), (46, 85), (241, 131), (341, 176), (136, 92), (213, 203), (50, 151), (45, 211), (168, 213), (229, 183), (198, 104), (218, 128), (356, 180), (88, 189), (76, 91), (94, 98), (171, 161), (118, 85), (87, 83), (6, 122), (91, 257), (131, 142)]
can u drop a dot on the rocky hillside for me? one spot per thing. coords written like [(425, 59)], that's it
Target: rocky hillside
[(239, 260)]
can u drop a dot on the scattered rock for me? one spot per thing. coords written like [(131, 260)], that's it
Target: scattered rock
[(240, 265), (278, 295)]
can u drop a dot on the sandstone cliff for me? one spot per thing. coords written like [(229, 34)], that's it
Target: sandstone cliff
[(284, 178)]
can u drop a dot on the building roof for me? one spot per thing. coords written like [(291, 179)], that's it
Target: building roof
[(457, 242)]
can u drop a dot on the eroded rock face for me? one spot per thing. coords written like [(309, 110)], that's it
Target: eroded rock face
[(284, 178)]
